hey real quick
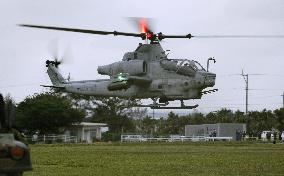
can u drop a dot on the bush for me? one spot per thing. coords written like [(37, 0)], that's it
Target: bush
[(108, 136)]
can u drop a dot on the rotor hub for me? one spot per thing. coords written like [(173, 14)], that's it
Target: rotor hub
[(55, 63)]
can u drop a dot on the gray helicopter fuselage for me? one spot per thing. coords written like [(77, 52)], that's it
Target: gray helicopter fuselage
[(150, 74)]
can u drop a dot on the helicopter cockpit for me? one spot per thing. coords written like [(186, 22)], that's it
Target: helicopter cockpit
[(191, 63), (129, 56), (182, 66)]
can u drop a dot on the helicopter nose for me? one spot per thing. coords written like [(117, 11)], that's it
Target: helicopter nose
[(210, 79)]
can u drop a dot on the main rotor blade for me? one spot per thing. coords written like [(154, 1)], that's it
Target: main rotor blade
[(175, 36), (238, 36), (222, 36), (83, 30), (143, 35)]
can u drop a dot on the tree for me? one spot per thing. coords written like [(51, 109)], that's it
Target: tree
[(115, 112), (224, 116), (148, 125), (239, 117), (121, 115), (173, 124), (279, 115), (47, 113), (10, 111), (7, 112), (260, 121), (198, 118), (2, 112)]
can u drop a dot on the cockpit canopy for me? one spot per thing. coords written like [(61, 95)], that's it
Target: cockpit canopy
[(182, 66), (129, 56)]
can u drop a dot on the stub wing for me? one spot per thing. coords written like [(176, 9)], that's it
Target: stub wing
[(124, 81), (140, 80)]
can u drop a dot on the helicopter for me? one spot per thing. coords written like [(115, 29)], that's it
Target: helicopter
[(144, 73)]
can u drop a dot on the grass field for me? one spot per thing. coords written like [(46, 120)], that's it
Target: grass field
[(158, 159)]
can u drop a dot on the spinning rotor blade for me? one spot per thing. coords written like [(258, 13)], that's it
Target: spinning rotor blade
[(63, 57), (143, 25), (67, 57), (52, 48), (83, 30), (239, 36), (220, 36), (147, 33)]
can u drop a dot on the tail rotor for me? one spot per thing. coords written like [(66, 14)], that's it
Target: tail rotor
[(53, 49)]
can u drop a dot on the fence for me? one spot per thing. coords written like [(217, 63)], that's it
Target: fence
[(52, 139), (141, 138)]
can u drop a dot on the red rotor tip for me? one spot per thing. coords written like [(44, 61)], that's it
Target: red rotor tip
[(143, 26)]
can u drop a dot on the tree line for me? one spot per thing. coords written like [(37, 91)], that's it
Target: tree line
[(52, 112)]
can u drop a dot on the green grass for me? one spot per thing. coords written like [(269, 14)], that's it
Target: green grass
[(158, 159)]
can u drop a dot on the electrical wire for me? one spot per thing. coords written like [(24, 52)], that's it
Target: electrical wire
[(21, 85)]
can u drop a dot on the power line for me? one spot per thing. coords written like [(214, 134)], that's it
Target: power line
[(265, 89), (246, 78), (227, 107), (253, 104), (233, 106), (253, 74), (239, 99), (238, 88), (21, 85), (269, 96)]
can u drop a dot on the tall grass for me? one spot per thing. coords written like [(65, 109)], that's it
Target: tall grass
[(159, 159)]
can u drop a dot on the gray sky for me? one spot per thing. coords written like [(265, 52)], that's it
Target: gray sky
[(23, 51)]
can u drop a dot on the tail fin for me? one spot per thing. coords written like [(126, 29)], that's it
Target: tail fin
[(54, 75)]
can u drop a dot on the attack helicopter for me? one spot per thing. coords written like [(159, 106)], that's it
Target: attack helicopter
[(144, 73)]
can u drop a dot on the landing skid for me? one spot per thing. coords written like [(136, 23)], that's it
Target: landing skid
[(174, 107), (164, 106)]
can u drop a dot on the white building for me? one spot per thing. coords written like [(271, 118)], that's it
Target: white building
[(86, 131)]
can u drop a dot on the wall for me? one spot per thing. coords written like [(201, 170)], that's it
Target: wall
[(221, 129)]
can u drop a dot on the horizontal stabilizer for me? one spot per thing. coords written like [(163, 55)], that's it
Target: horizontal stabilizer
[(56, 87)]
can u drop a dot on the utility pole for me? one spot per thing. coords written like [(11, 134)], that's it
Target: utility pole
[(245, 76), (283, 99)]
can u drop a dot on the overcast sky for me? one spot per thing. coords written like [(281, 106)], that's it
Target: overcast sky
[(23, 51)]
